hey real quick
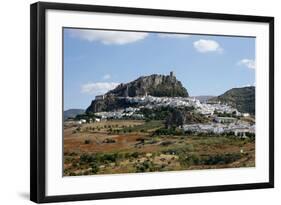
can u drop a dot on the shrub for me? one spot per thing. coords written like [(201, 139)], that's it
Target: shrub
[(221, 159), (108, 140), (189, 159), (87, 141), (218, 159), (72, 174), (95, 168), (166, 143), (109, 157), (135, 154), (145, 166), (140, 139), (86, 158)]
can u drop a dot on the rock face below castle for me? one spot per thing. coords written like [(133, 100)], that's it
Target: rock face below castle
[(154, 85)]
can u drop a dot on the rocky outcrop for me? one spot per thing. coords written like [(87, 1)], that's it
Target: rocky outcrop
[(154, 85), (109, 103), (181, 116)]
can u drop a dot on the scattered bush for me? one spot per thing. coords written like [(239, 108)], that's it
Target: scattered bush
[(219, 159), (87, 141), (141, 139), (95, 168), (166, 143), (108, 158), (87, 158), (109, 140), (135, 154), (169, 131), (146, 166)]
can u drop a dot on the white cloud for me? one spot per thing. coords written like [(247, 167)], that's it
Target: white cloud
[(108, 37), (170, 35), (246, 85), (249, 63), (204, 46), (98, 88), (106, 77)]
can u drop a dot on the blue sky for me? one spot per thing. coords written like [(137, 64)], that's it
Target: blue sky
[(95, 61)]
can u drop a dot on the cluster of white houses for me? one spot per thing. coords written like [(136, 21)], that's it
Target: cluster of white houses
[(203, 108), (219, 124), (121, 113), (238, 128), (206, 108)]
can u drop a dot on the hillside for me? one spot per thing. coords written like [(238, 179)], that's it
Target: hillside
[(72, 113), (154, 85), (243, 99)]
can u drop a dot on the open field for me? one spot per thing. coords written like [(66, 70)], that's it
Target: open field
[(130, 146)]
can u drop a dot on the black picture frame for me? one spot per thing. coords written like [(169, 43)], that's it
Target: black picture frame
[(38, 103)]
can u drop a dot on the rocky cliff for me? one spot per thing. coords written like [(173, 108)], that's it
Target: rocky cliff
[(109, 103), (154, 85)]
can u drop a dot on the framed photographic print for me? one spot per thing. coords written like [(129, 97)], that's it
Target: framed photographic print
[(129, 102)]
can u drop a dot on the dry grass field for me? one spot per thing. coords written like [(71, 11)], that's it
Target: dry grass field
[(131, 146)]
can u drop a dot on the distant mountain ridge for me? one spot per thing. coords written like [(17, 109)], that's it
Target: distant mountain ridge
[(243, 99), (71, 113)]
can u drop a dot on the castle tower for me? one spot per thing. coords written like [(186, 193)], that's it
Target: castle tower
[(172, 74), (127, 91)]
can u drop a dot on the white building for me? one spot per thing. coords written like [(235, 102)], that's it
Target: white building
[(246, 114), (82, 121), (97, 119), (225, 119), (100, 97)]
